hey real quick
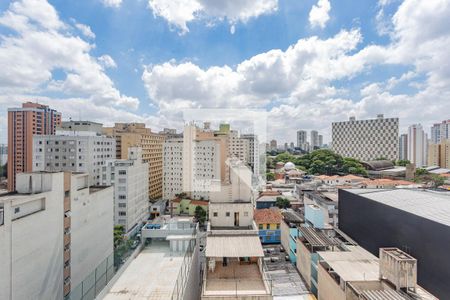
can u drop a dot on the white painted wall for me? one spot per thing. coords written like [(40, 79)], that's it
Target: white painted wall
[(31, 247), (91, 230), (245, 211)]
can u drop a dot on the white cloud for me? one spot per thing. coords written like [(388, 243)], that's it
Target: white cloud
[(179, 13), (319, 14), (85, 30), (43, 44), (302, 84), (112, 3), (107, 61)]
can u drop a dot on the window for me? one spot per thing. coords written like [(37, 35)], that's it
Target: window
[(227, 214), (122, 197), (278, 226), (122, 172), (17, 210), (122, 205), (215, 214), (122, 213), (261, 226), (267, 226), (245, 213)]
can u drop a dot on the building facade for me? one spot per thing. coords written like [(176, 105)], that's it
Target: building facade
[(417, 145), (440, 132), (302, 139), (413, 220), (130, 180), (79, 151), (239, 147), (74, 225), (314, 139), (137, 135), (366, 139), (23, 123), (268, 221), (439, 154), (403, 147)]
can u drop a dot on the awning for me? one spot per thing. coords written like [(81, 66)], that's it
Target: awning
[(234, 246)]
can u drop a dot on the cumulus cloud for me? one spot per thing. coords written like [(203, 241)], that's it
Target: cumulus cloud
[(179, 13), (319, 14), (112, 3), (42, 44), (302, 85), (85, 30), (107, 61)]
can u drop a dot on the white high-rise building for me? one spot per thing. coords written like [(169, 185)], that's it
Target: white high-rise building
[(417, 145), (302, 139), (130, 180), (320, 141), (198, 165), (76, 151), (366, 139), (403, 147), (314, 139), (172, 168), (440, 132), (55, 232)]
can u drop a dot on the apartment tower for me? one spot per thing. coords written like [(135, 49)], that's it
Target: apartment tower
[(137, 135), (417, 145), (24, 122), (366, 139)]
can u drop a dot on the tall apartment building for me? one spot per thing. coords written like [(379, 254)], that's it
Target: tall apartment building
[(253, 152), (3, 154), (55, 232), (440, 132), (273, 145), (366, 139), (75, 151), (302, 141), (314, 139), (172, 168), (320, 141), (137, 135), (403, 147), (439, 154), (31, 119), (130, 180), (238, 147), (417, 145)]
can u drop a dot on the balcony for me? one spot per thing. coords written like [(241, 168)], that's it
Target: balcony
[(66, 204), (66, 255), (66, 239), (66, 288), (238, 279), (66, 222), (67, 272)]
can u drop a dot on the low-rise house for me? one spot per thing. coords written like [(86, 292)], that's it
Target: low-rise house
[(158, 208), (386, 183), (321, 208), (289, 232), (268, 221), (340, 180)]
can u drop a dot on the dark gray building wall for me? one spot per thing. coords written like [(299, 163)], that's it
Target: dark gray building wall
[(375, 225)]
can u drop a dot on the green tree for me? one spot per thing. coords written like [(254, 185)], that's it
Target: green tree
[(200, 215), (402, 162), (282, 202), (284, 157), (119, 231), (432, 180), (270, 176), (421, 172)]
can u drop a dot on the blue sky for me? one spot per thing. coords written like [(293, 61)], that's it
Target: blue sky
[(307, 63)]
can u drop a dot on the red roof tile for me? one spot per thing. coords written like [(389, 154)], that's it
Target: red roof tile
[(267, 216)]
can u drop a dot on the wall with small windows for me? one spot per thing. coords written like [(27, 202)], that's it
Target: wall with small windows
[(231, 214)]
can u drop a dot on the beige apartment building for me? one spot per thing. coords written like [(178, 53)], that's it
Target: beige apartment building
[(439, 154), (137, 135)]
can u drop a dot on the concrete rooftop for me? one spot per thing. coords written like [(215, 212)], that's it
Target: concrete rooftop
[(151, 275)]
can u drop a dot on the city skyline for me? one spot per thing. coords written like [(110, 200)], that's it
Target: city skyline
[(332, 62)]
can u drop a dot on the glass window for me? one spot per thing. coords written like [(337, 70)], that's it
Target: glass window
[(215, 214), (261, 226), (227, 214)]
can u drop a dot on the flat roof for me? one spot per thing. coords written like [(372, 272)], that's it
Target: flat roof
[(432, 205), (318, 238), (234, 246), (151, 275), (354, 265)]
